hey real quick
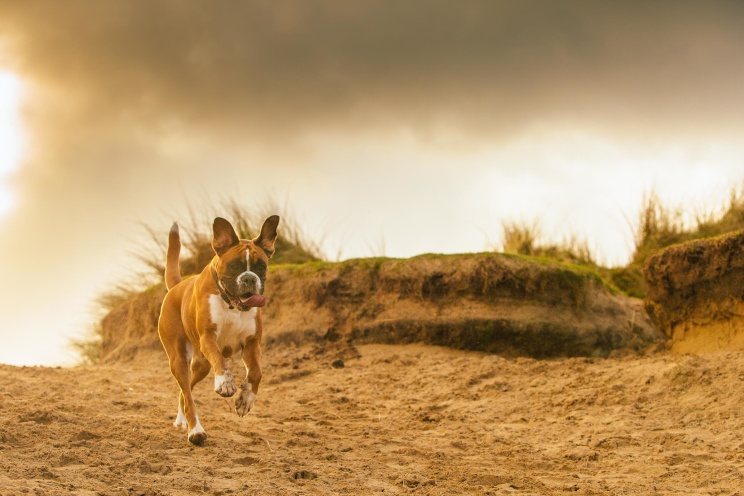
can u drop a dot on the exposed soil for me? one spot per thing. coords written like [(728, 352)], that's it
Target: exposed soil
[(379, 418), (509, 305), (695, 293)]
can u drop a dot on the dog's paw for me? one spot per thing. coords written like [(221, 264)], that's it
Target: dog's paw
[(197, 435), (180, 422), (224, 384), (244, 402)]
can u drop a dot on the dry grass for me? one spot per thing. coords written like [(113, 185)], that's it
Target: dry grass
[(293, 246), (526, 239), (657, 227), (660, 226), (87, 347)]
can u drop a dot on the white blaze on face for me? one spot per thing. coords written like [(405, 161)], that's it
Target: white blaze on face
[(248, 271)]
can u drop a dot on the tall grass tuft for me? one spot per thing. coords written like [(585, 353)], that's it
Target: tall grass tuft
[(87, 348), (656, 227), (526, 239), (660, 226), (292, 246)]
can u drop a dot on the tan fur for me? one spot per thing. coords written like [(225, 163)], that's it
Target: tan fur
[(172, 273), (190, 335)]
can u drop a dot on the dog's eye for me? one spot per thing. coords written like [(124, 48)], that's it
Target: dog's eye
[(236, 266), (259, 267)]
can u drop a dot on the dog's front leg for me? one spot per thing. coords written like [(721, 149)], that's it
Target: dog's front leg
[(249, 388), (224, 383)]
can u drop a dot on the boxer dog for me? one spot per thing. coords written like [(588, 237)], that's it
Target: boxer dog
[(207, 318)]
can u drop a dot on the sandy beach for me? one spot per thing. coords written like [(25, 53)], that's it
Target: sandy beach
[(385, 419)]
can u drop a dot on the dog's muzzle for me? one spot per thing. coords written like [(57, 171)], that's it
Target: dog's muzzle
[(244, 291), (249, 282), (248, 290)]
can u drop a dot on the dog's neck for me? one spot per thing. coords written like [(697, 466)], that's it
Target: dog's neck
[(223, 292)]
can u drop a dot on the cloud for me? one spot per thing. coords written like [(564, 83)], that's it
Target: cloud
[(370, 110), (275, 71)]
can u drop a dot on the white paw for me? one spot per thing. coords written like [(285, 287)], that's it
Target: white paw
[(180, 420), (224, 384), (244, 402), (197, 435)]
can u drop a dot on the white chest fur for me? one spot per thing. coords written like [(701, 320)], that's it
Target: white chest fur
[(233, 326)]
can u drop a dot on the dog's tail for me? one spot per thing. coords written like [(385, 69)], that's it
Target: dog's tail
[(172, 272)]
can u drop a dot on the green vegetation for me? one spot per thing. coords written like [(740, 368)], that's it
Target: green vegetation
[(525, 239), (658, 227)]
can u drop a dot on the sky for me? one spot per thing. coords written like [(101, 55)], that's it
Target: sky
[(385, 127)]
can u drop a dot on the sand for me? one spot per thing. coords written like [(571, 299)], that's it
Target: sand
[(394, 420)]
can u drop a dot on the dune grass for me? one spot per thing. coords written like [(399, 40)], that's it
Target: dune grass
[(293, 246), (87, 347), (660, 226), (657, 227), (527, 239)]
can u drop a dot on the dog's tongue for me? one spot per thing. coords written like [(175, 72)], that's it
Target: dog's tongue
[(254, 301)]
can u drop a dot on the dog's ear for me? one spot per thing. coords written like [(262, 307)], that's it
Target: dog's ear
[(267, 238), (224, 236)]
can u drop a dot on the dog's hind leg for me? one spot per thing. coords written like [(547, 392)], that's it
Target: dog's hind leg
[(199, 370), (178, 349), (180, 370)]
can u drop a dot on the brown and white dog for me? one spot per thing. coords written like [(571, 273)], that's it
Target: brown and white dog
[(208, 318)]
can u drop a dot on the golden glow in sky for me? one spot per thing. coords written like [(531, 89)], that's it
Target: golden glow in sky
[(11, 134), (416, 130)]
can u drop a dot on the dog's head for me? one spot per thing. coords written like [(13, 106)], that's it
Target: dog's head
[(241, 263)]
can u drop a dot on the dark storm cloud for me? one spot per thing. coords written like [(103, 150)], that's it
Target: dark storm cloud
[(259, 70), (131, 103)]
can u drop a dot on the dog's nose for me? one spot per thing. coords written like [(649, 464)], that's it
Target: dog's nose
[(249, 282)]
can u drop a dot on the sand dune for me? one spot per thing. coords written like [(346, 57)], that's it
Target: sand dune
[(394, 420)]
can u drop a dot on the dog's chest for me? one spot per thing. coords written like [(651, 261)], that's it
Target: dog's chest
[(233, 327)]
